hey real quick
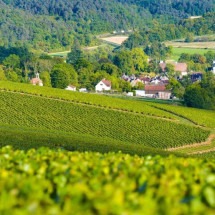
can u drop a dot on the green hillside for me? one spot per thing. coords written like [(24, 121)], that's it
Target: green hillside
[(54, 25), (149, 124), (94, 154), (37, 112)]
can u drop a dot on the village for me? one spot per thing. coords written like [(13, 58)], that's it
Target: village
[(153, 87)]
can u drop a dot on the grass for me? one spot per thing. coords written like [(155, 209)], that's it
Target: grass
[(178, 51)]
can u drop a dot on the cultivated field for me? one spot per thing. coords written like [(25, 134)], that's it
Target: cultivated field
[(118, 40), (103, 155), (195, 45), (180, 125), (178, 51)]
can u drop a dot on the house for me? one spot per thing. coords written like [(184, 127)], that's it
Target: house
[(178, 67), (140, 92), (37, 80), (134, 83), (103, 85), (182, 68), (145, 80), (157, 91), (213, 67), (155, 81), (71, 88), (83, 90), (196, 76), (130, 94)]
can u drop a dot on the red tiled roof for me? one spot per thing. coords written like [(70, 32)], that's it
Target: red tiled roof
[(162, 66), (155, 88), (106, 82), (180, 67), (145, 79), (36, 81)]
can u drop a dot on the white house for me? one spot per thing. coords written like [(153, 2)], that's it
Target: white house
[(103, 85), (37, 80), (134, 83), (71, 88), (130, 94), (213, 67), (140, 92), (83, 90)]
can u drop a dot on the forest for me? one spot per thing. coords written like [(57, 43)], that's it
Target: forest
[(48, 26)]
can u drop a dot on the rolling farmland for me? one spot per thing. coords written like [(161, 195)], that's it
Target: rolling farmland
[(36, 112), (103, 155)]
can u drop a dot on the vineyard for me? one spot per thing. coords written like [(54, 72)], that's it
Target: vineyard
[(42, 113), (26, 138), (58, 182), (93, 154), (86, 98), (204, 118)]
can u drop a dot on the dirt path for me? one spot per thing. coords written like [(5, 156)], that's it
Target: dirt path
[(202, 151), (207, 142)]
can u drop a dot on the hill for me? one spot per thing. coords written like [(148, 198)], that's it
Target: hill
[(149, 124), (103, 155), (47, 26)]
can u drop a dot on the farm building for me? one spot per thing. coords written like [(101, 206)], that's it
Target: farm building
[(83, 90), (196, 76), (213, 70), (71, 88), (140, 92), (36, 80), (103, 85), (157, 91), (178, 67)]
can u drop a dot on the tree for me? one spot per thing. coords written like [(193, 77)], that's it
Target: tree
[(124, 61), (75, 54), (210, 57), (62, 75), (111, 69), (189, 38), (12, 76), (139, 59), (170, 70), (125, 86), (12, 61), (45, 77), (2, 74), (176, 88), (198, 97)]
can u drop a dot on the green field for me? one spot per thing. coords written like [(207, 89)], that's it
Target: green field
[(36, 112), (178, 51), (136, 122)]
